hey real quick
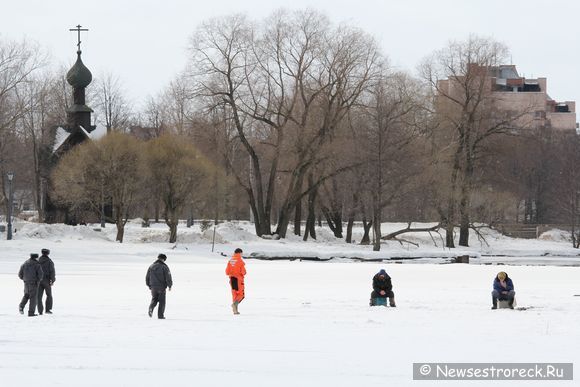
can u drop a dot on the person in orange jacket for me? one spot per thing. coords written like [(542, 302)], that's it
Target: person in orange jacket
[(236, 270)]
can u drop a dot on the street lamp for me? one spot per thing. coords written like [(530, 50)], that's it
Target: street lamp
[(10, 176)]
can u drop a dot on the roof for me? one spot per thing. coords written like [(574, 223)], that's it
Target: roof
[(62, 135), (59, 139)]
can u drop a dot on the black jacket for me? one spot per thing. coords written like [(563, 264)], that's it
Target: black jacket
[(30, 271), (47, 268), (382, 284), (158, 276)]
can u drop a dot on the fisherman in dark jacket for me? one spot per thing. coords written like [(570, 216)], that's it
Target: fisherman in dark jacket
[(503, 289), (158, 279), (46, 282), (382, 289), (31, 273)]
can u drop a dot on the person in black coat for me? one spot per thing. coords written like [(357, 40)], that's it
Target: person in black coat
[(31, 273), (382, 288), (46, 282), (158, 279)]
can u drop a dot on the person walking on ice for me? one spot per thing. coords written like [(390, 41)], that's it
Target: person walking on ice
[(31, 273), (236, 270), (46, 282), (158, 279)]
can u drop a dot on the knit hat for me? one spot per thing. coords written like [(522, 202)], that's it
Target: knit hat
[(162, 256), (45, 251), (383, 272), (238, 251), (502, 275), (33, 255)]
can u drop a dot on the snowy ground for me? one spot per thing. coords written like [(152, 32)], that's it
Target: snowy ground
[(303, 323)]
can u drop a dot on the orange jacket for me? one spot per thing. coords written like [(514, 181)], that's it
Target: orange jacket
[(236, 266)]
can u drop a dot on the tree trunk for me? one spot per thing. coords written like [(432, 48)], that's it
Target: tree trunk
[(449, 228), (465, 202), (293, 197), (157, 209), (298, 218), (310, 228), (262, 223), (172, 232), (366, 239), (464, 219), (120, 230), (334, 221), (118, 216), (376, 226), (172, 220), (351, 217), (349, 227), (283, 221), (449, 240)]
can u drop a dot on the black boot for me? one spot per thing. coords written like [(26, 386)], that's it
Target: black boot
[(494, 303)]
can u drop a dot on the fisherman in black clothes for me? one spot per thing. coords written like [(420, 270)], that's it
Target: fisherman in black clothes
[(158, 279), (46, 282), (31, 273)]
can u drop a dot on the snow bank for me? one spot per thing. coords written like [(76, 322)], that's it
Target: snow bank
[(556, 235), (488, 246), (57, 231)]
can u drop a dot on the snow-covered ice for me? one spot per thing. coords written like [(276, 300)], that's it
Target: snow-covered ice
[(302, 323)]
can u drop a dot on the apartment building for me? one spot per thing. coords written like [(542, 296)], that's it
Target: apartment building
[(529, 97)]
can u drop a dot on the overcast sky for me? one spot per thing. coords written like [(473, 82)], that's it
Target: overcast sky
[(144, 41)]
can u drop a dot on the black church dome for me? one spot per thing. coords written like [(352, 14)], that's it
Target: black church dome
[(79, 76)]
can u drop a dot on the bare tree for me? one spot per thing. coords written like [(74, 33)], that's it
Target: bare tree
[(564, 181), (468, 115), (295, 79), (180, 174), (222, 51), (112, 104), (41, 113), (386, 133), (177, 105), (153, 116), (18, 61)]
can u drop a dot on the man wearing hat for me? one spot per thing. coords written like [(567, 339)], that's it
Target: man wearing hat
[(503, 289), (46, 282), (382, 289), (31, 273), (158, 279)]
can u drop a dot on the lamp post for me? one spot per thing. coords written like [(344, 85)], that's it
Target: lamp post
[(10, 176)]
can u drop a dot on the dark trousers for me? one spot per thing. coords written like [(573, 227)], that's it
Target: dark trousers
[(388, 294), (45, 287), (495, 295), (30, 293), (158, 296)]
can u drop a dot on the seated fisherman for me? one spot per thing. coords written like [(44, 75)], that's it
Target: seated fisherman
[(503, 289), (382, 289)]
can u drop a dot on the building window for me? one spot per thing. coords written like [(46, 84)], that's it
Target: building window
[(539, 114)]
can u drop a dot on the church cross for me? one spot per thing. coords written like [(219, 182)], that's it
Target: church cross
[(79, 29)]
